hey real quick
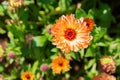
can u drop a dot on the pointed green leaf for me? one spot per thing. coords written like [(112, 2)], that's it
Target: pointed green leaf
[(35, 65), (39, 41), (90, 13), (80, 13)]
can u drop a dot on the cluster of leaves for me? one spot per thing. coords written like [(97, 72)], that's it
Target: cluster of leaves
[(26, 30)]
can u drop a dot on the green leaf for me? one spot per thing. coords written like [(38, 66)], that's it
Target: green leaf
[(39, 41), (80, 13), (99, 33), (17, 31), (67, 75), (11, 61), (89, 52), (46, 1), (92, 71), (64, 4), (76, 56), (89, 64), (1, 11), (38, 52), (1, 68), (2, 31), (11, 37), (90, 13), (23, 12), (54, 50), (14, 72), (35, 65), (118, 61)]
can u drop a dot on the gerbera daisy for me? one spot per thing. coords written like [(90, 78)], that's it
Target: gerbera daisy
[(27, 76), (60, 64), (89, 23), (70, 33)]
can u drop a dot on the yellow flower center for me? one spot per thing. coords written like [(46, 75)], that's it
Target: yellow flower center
[(70, 34)]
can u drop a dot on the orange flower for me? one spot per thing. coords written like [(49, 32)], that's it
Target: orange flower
[(16, 3), (70, 33), (27, 76), (60, 64), (89, 23)]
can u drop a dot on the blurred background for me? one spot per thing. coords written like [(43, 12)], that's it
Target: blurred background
[(25, 37)]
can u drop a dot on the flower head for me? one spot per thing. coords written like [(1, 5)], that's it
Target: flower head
[(16, 3), (89, 23), (27, 76), (108, 64), (11, 54), (70, 33), (60, 64), (104, 76), (44, 67)]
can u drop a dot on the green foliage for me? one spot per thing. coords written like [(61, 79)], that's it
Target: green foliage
[(39, 41), (64, 5), (80, 13)]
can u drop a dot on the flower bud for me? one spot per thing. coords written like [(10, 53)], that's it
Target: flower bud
[(1, 59), (28, 38), (81, 78), (44, 67), (16, 3), (48, 29), (41, 78), (11, 55), (104, 76), (1, 77), (89, 23), (108, 64)]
